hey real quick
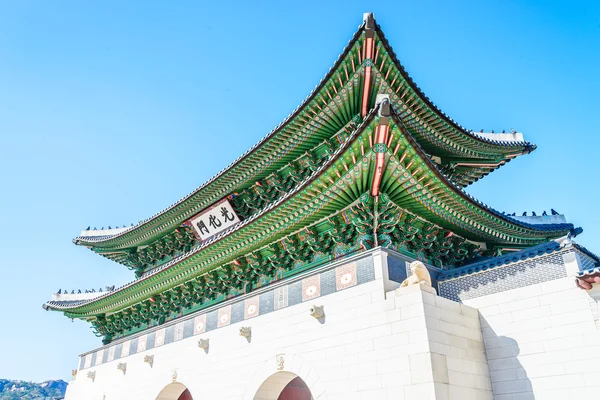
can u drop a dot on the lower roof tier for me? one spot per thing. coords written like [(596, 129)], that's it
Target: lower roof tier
[(334, 211)]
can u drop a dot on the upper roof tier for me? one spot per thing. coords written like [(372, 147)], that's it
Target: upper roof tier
[(342, 96)]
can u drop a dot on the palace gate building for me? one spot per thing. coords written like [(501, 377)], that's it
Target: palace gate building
[(280, 277)]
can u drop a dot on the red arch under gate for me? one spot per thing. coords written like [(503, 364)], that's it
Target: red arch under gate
[(295, 390), (175, 391), (186, 395)]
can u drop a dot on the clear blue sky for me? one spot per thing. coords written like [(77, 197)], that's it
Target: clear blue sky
[(111, 111)]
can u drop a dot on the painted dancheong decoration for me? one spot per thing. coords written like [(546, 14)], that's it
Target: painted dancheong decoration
[(367, 160)]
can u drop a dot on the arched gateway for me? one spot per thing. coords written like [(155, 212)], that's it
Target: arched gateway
[(283, 385), (175, 391), (285, 377)]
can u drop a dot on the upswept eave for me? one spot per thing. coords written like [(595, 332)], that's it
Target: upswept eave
[(555, 229), (54, 305), (170, 216), (91, 240), (526, 147), (463, 193)]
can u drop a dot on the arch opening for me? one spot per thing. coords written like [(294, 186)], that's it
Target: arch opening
[(175, 391), (283, 385)]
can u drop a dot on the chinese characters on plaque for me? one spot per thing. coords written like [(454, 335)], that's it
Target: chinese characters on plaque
[(214, 220)]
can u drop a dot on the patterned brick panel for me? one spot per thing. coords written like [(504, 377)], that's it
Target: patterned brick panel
[(503, 278), (338, 277)]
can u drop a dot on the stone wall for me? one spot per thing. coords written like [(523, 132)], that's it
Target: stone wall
[(373, 343), (518, 331), (540, 331)]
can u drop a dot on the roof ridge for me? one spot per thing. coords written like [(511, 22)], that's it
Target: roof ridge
[(461, 191), (429, 102)]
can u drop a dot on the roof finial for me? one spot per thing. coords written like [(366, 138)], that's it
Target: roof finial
[(369, 20)]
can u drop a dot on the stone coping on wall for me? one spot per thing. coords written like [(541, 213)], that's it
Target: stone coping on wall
[(321, 281)]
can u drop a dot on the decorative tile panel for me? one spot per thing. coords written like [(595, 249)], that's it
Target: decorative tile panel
[(125, 348), (396, 269), (251, 307), (99, 357), (150, 340), (142, 343), (211, 320), (280, 297), (118, 350), (345, 276), (159, 338), (188, 328), (328, 282), (133, 346), (311, 287), (111, 353), (295, 293), (169, 334), (237, 312), (199, 324), (224, 316), (178, 334), (364, 270), (321, 283)]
